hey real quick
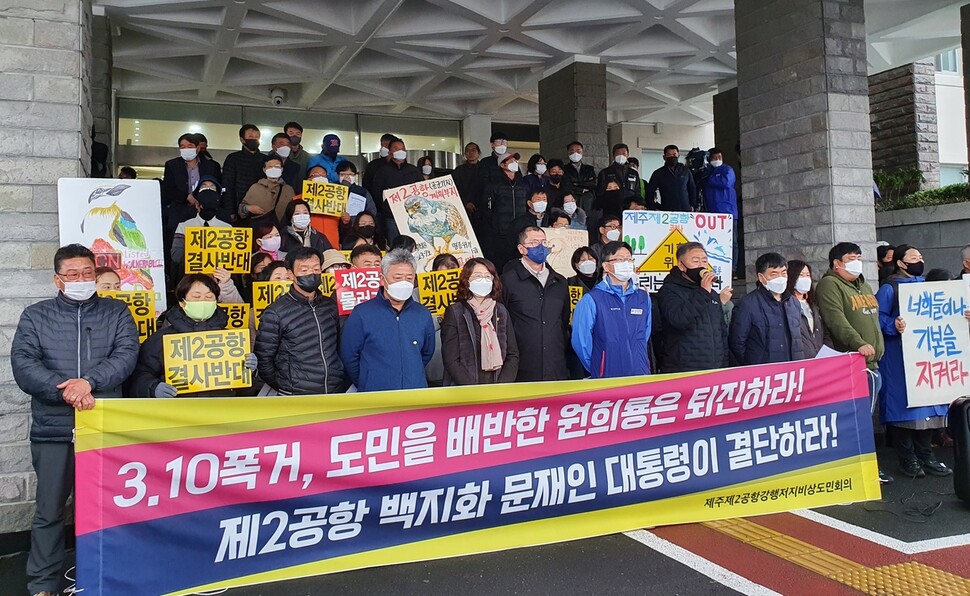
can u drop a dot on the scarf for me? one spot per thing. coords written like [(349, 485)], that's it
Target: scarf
[(491, 351)]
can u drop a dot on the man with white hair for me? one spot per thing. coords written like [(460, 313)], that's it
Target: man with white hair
[(388, 340)]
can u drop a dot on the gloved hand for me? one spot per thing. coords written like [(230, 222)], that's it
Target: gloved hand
[(251, 362), (165, 390)]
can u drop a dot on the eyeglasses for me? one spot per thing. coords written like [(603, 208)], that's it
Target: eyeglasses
[(87, 274), (487, 276), (536, 243), (612, 227), (630, 260)]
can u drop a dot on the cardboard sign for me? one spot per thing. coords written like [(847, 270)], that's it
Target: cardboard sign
[(207, 360), (936, 341), (141, 303), (353, 286), (326, 198), (436, 289), (238, 315), (209, 248), (265, 293), (563, 242), (655, 236)]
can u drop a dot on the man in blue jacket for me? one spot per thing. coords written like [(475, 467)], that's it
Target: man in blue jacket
[(611, 324), (388, 340), (328, 157), (720, 195), (68, 352), (766, 323)]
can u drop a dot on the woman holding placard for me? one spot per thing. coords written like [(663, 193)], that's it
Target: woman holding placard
[(911, 428)]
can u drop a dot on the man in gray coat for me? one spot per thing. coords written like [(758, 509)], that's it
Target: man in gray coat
[(67, 351)]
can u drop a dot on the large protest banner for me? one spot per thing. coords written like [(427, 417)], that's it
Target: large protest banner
[(121, 222), (655, 236), (936, 341), (295, 486), (432, 212)]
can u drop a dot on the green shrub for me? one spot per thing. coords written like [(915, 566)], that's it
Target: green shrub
[(954, 193)]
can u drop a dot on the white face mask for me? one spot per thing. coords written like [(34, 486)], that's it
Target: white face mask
[(274, 173), (539, 206), (348, 180), (385, 152), (623, 271), (301, 221), (500, 149), (777, 285), (540, 168), (854, 267), (400, 290), (283, 151), (803, 285), (575, 157), (270, 244), (480, 287), (716, 163), (513, 166), (569, 208), (613, 235), (319, 179), (400, 155), (188, 154), (587, 267), (426, 170), (620, 159), (80, 290)]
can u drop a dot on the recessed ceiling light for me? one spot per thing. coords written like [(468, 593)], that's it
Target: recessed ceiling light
[(137, 121), (503, 30), (230, 28), (432, 144), (658, 17), (442, 139), (136, 134)]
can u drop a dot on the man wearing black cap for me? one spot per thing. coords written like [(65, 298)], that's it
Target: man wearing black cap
[(506, 199), (488, 167)]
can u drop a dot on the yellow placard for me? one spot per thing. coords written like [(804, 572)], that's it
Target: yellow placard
[(238, 314), (207, 360), (209, 248), (436, 289), (265, 293), (141, 303), (327, 284), (662, 258), (575, 294), (326, 198)]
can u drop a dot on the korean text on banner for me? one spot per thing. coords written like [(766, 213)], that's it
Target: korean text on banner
[(212, 247), (141, 303), (297, 486), (575, 295), (936, 341), (266, 293), (432, 212), (436, 289), (238, 314), (207, 360), (353, 286), (326, 198), (655, 236), (120, 221)]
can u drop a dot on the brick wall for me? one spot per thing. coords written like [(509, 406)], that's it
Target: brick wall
[(45, 123)]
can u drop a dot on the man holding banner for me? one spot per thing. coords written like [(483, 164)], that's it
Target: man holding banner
[(299, 333), (66, 351)]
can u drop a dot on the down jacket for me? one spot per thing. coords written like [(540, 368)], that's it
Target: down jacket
[(540, 316), (296, 345), (61, 339), (150, 371), (692, 324), (461, 346), (765, 330)]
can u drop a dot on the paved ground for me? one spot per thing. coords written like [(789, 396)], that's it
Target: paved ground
[(917, 536)]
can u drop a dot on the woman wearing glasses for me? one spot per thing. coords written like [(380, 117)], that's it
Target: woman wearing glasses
[(477, 341)]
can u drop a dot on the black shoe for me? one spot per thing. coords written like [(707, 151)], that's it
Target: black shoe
[(885, 478), (912, 469), (936, 468)]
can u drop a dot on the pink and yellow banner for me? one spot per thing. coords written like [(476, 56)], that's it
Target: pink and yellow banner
[(237, 493)]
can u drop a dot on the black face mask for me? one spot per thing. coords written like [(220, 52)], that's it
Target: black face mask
[(295, 140), (555, 178), (209, 201), (308, 283), (670, 161), (366, 231), (695, 274), (251, 144), (914, 269)]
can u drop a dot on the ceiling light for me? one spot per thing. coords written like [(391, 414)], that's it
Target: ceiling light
[(230, 28), (136, 134), (137, 121), (442, 139), (503, 30), (658, 17)]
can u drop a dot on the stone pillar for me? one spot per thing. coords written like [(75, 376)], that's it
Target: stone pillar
[(102, 104), (965, 44), (476, 128), (727, 137), (45, 129), (804, 115), (902, 112), (572, 107)]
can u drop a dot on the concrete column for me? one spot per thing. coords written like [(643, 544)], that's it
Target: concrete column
[(572, 106), (965, 44), (45, 128), (477, 128), (902, 112), (102, 106), (804, 116), (727, 137)]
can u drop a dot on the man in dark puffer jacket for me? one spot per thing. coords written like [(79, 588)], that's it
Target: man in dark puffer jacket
[(296, 345), (67, 352), (691, 315)]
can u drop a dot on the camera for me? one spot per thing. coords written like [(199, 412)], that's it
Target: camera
[(278, 96)]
